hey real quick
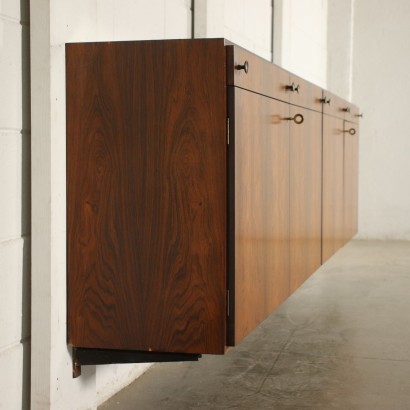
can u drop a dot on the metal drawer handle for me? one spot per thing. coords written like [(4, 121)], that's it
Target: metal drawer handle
[(293, 87), (352, 131), (297, 119), (244, 67), (359, 115), (346, 109), (325, 100)]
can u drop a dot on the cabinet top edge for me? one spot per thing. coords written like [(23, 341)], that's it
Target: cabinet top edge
[(223, 41), (175, 40)]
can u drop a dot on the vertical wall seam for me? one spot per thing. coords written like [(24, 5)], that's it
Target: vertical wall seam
[(350, 92)]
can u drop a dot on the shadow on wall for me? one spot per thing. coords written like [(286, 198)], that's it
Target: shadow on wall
[(26, 200)]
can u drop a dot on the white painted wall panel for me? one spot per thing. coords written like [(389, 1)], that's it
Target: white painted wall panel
[(108, 20), (74, 21), (10, 75), (14, 377), (249, 24), (14, 184), (15, 285), (10, 9), (11, 364), (381, 86), (340, 43), (178, 19), (301, 38)]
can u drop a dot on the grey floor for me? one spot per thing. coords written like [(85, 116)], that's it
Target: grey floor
[(342, 341)]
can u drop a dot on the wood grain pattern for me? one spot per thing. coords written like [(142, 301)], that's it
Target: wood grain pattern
[(146, 189), (261, 195), (263, 77), (305, 195), (336, 105), (351, 181), (309, 95), (333, 202)]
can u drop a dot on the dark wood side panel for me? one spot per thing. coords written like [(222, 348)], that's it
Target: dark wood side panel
[(333, 202), (305, 195), (261, 198), (351, 180), (146, 192)]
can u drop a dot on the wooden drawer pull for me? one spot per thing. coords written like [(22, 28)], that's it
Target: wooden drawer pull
[(244, 67), (325, 100), (293, 87)]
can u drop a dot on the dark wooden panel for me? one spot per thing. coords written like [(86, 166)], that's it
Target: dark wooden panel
[(263, 77), (261, 144), (333, 218), (307, 94), (146, 175), (305, 196), (351, 181)]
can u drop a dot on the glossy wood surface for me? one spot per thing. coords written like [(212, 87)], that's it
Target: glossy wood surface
[(261, 144), (351, 181), (146, 192), (308, 94), (305, 195), (263, 77), (332, 193)]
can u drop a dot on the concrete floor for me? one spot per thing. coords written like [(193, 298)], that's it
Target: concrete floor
[(342, 341)]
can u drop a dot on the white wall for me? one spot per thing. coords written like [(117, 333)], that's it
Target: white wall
[(14, 206), (300, 38), (55, 22), (381, 87), (249, 24), (246, 23), (340, 47)]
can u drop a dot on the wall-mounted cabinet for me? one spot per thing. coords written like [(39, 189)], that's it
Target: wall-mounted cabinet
[(194, 195), (340, 173)]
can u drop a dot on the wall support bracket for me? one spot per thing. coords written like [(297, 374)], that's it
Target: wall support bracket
[(86, 356)]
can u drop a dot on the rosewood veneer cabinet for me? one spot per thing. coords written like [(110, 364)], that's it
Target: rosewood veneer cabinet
[(202, 190)]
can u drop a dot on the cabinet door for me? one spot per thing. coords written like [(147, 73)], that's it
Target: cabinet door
[(351, 183), (146, 196), (259, 259), (305, 195), (333, 217)]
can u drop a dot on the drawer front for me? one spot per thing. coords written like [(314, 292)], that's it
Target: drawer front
[(253, 73), (333, 105), (304, 94), (352, 114)]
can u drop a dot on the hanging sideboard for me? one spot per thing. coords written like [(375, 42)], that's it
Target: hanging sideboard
[(204, 186)]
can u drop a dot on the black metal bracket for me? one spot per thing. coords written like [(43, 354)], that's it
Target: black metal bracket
[(86, 356)]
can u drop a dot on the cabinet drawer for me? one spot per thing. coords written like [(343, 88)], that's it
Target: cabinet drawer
[(248, 71), (352, 113), (334, 105), (304, 94)]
